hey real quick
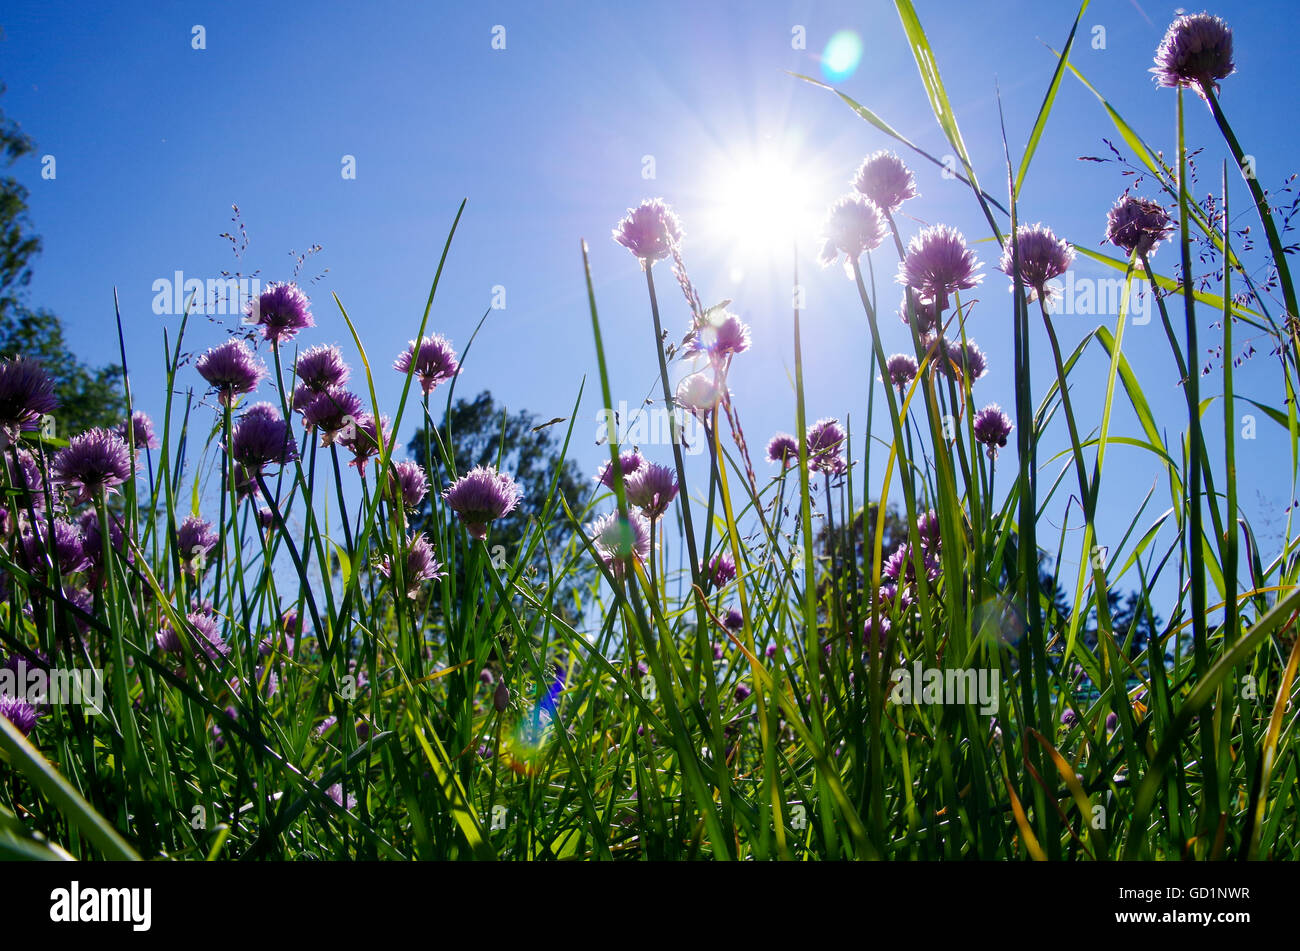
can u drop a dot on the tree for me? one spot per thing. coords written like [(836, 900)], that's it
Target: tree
[(17, 244), (482, 432)]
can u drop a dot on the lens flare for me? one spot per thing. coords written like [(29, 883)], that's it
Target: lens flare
[(525, 745), (842, 56), (999, 621)]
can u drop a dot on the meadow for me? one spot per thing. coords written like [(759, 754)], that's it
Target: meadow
[(325, 628)]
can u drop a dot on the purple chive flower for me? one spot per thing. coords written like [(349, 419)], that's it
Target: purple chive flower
[(321, 367), (901, 369), (700, 393), (733, 620), (26, 394), (480, 496), (959, 362), (1196, 51), (927, 315), (825, 437), (620, 541), (335, 794), (333, 412), (992, 427), (141, 429), (92, 542), (208, 642), (96, 460), (742, 693), (231, 369), (409, 483), (1069, 718), (362, 439), (653, 488), (501, 697), (721, 335), (434, 361), (650, 231), (784, 449), (853, 227), (900, 568), (885, 180), (262, 438), (1112, 721), (873, 636), (927, 526), (721, 570), (974, 363), (27, 481), (281, 310), (937, 264), (19, 712), (66, 547), (1137, 224), (890, 596), (1043, 256), (195, 540), (630, 462), (420, 564)]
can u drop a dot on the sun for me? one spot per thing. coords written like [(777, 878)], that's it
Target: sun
[(760, 206)]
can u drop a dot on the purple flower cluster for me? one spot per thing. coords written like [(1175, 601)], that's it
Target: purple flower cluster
[(94, 462), (885, 180), (1196, 51), (620, 542), (825, 440), (783, 449), (433, 360), (901, 370), (262, 438), (140, 429), (721, 570), (481, 496), (333, 413), (409, 483), (718, 336), (938, 264), (195, 540), (629, 462), (281, 310), (26, 394), (231, 369), (992, 427), (419, 564), (1137, 225), (1042, 257), (853, 227), (318, 369), (652, 488), (650, 231)]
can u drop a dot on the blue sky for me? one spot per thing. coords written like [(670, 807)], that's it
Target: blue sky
[(547, 138)]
